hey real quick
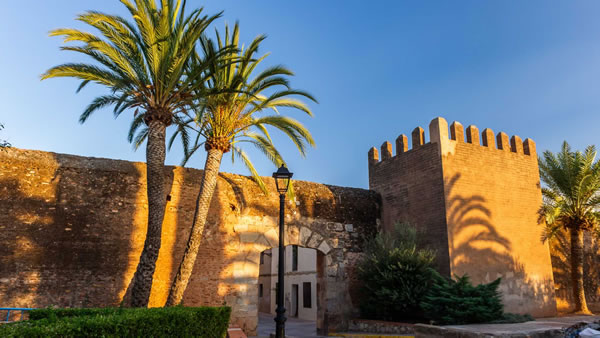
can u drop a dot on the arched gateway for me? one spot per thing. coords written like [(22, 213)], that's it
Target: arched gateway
[(73, 229), (333, 220)]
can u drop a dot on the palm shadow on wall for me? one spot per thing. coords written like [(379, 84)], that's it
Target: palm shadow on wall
[(479, 250), (560, 253)]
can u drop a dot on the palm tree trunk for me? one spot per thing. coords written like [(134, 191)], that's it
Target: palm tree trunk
[(577, 271), (157, 199), (209, 182)]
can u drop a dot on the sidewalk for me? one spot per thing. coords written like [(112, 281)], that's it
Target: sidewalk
[(294, 327), (542, 327)]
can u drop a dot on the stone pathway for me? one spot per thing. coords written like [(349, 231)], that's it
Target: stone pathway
[(294, 327), (542, 327)]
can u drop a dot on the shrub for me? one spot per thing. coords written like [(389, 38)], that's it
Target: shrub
[(459, 302), (396, 275), (113, 322)]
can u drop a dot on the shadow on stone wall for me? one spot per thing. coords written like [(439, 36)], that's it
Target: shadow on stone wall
[(71, 240), (479, 250), (560, 250)]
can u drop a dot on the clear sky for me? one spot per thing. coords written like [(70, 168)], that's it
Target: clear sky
[(378, 68)]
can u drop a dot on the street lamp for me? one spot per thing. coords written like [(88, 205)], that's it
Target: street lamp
[(282, 181)]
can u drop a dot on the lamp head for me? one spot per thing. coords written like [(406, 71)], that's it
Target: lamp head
[(282, 179)]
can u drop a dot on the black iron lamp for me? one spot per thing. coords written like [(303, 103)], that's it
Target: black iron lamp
[(282, 180)]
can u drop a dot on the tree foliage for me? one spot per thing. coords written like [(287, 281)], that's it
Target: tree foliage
[(395, 274), (143, 62), (571, 196)]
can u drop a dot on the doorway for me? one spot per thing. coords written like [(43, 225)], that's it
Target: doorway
[(294, 309), (303, 269)]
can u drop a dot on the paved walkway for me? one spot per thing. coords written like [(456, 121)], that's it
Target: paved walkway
[(548, 326), (304, 328), (294, 327)]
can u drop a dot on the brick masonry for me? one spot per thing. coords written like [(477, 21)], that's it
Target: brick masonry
[(476, 204), (72, 229)]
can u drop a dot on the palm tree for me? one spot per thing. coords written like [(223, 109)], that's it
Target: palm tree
[(143, 63), (571, 201), (229, 115)]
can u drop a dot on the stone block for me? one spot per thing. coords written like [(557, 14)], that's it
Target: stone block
[(248, 237), (324, 247), (315, 240), (305, 234), (272, 237)]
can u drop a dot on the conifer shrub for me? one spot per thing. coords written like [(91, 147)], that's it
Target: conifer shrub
[(457, 301), (207, 322), (396, 275)]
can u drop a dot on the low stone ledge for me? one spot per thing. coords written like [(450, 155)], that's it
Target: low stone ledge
[(432, 331), (378, 326)]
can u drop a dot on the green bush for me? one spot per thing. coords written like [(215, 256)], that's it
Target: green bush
[(209, 322), (395, 275), (459, 302)]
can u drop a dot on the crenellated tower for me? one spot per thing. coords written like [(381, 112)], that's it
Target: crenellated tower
[(475, 199)]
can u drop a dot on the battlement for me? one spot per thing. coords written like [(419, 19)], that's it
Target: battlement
[(441, 134)]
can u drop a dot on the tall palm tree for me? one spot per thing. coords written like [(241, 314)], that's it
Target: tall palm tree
[(571, 201), (143, 64), (230, 114)]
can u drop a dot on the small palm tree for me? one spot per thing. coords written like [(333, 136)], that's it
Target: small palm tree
[(571, 201), (3, 143), (231, 114), (143, 64)]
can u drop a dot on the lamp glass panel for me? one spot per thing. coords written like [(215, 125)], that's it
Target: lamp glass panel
[(282, 184)]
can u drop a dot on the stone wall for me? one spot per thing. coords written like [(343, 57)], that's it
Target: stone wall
[(412, 190), (72, 229), (491, 197), (377, 326)]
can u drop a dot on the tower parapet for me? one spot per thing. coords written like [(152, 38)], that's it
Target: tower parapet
[(474, 197), (438, 133)]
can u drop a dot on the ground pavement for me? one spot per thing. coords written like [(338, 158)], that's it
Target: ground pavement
[(542, 327)]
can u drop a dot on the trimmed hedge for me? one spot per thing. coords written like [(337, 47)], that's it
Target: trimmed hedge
[(209, 322)]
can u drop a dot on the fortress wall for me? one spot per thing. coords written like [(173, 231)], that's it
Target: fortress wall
[(493, 194), (412, 190), (72, 229)]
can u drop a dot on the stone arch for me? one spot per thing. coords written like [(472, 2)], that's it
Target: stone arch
[(327, 238), (333, 220)]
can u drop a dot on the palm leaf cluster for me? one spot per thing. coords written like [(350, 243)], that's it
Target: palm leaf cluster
[(231, 105), (143, 63), (571, 197)]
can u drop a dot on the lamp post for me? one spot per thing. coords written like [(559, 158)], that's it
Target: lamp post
[(282, 181)]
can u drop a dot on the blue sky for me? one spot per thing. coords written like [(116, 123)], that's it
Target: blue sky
[(378, 69)]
